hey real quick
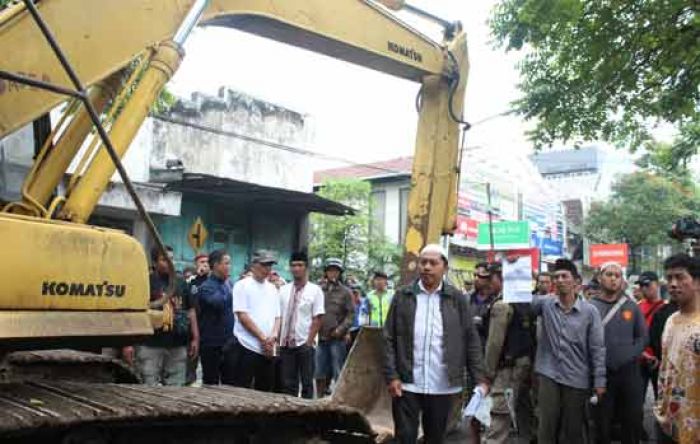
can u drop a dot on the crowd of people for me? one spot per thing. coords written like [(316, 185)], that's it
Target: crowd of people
[(575, 364), (255, 331), (572, 366)]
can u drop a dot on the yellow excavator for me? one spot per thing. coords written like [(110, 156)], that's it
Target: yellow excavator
[(65, 284)]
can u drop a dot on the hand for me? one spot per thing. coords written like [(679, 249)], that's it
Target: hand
[(269, 345), (336, 334), (194, 348), (309, 343), (271, 340), (485, 387), (348, 338), (599, 392), (128, 354), (395, 388)]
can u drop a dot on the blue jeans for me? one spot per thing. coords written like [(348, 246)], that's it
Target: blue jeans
[(330, 357)]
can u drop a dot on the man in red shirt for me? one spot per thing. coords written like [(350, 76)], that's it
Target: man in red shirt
[(651, 303)]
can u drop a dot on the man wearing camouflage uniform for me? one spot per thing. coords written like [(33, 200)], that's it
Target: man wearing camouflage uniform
[(509, 351)]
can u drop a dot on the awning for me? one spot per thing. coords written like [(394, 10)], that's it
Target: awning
[(249, 193)]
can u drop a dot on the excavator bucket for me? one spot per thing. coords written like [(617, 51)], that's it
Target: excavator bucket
[(361, 383)]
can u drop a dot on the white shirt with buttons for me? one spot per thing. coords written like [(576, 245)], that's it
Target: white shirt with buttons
[(429, 366)]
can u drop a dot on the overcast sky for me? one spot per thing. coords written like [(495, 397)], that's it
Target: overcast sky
[(356, 113)]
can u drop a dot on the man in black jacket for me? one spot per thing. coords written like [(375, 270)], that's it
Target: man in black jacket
[(429, 340)]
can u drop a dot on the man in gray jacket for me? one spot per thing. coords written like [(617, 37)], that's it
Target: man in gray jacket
[(625, 338), (429, 340)]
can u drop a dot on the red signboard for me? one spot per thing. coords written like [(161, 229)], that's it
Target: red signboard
[(602, 253), (469, 228), (534, 254)]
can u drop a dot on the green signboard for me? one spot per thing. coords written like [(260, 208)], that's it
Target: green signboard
[(507, 235)]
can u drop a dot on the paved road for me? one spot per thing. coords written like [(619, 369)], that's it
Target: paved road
[(460, 436)]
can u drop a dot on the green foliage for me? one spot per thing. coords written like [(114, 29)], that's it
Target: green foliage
[(348, 237), (164, 102), (605, 69), (344, 237), (641, 210)]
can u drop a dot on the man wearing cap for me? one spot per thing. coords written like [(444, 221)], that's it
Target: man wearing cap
[(650, 304), (430, 340), (256, 304), (625, 338), (302, 312), (480, 299), (339, 313), (570, 358), (509, 351), (379, 299)]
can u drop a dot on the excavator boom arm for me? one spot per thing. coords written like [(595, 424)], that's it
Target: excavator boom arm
[(100, 38)]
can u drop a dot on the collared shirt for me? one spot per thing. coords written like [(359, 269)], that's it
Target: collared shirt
[(261, 301), (216, 318), (308, 302), (429, 366), (678, 407), (571, 350)]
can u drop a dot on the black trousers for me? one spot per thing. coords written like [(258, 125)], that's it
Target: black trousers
[(249, 369), (433, 412), (297, 365), (650, 374), (623, 399), (214, 372)]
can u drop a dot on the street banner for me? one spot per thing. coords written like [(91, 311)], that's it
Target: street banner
[(602, 253), (507, 235)]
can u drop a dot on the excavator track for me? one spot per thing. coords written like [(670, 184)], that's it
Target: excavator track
[(95, 413)]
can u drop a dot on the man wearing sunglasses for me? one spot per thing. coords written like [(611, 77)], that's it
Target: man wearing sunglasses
[(650, 304), (481, 298)]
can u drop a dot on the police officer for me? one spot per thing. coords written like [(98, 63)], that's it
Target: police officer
[(509, 349), (379, 299)]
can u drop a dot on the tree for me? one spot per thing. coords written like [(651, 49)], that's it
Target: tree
[(349, 237), (641, 210), (605, 69)]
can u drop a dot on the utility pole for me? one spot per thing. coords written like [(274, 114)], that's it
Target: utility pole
[(490, 213)]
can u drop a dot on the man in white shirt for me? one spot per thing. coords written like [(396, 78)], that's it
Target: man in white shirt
[(256, 304), (302, 312), (430, 339)]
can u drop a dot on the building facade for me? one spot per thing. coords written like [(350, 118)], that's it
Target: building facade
[(230, 161), (511, 188), (579, 177)]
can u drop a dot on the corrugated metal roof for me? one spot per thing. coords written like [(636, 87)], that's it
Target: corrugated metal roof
[(249, 193)]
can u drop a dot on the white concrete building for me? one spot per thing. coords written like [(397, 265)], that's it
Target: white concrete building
[(234, 161)]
